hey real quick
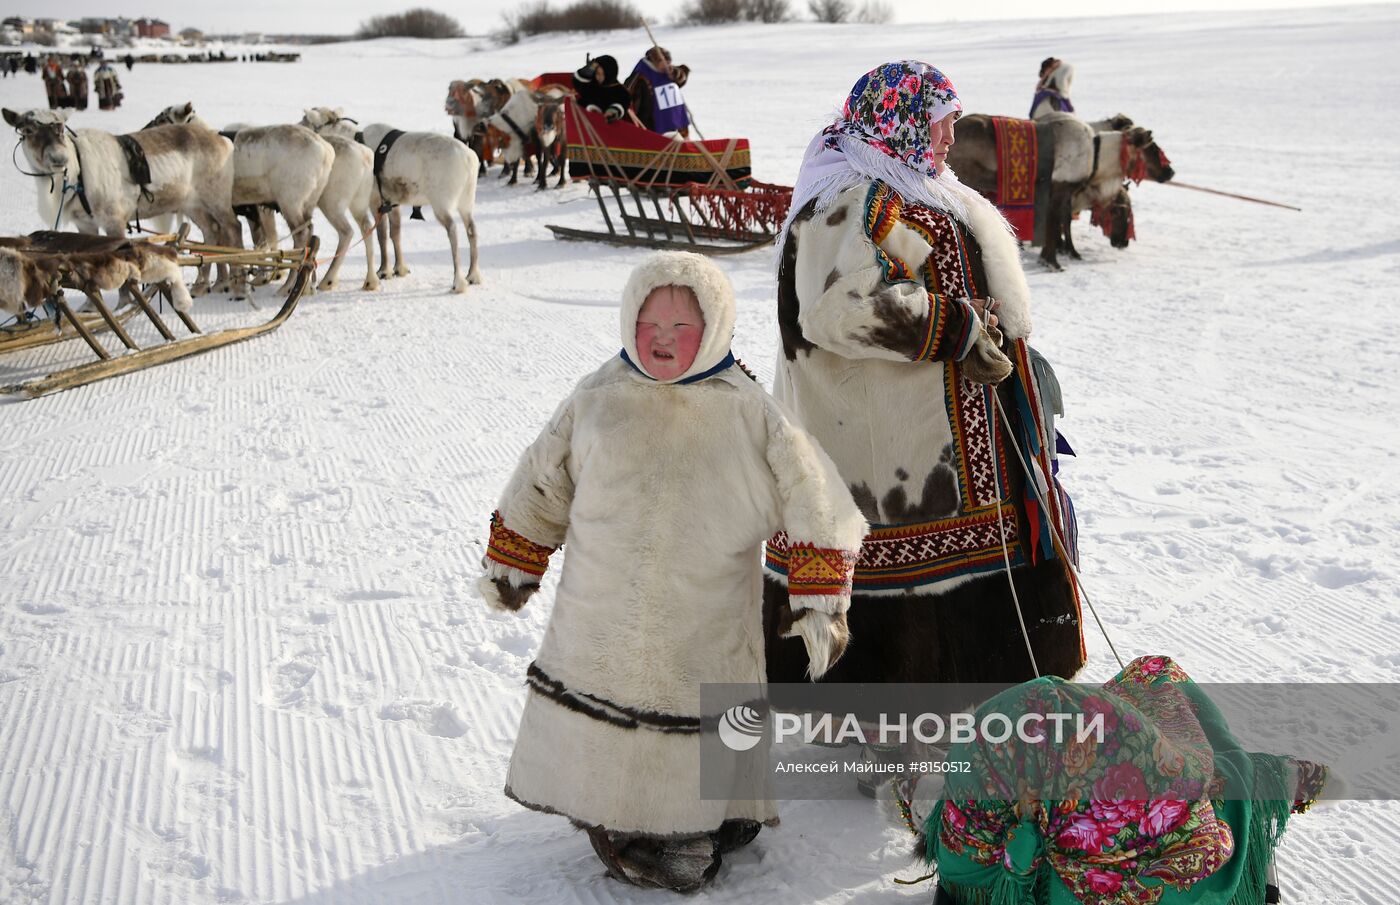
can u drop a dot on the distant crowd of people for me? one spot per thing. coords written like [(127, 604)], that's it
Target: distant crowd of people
[(66, 78)]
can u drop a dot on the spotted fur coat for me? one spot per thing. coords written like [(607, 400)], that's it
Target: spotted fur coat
[(875, 332)]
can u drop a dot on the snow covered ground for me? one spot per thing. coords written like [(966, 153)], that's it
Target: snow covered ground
[(241, 657)]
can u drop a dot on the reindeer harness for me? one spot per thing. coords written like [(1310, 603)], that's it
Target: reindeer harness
[(75, 187), (515, 127), (381, 154), (140, 169)]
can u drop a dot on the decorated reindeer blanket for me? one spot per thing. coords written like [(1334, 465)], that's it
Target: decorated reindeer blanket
[(1017, 153)]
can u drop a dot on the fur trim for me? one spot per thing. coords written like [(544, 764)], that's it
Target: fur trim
[(1001, 257), (824, 636), (711, 287), (629, 780), (508, 592), (830, 604)]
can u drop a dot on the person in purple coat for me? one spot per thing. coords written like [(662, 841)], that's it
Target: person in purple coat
[(655, 87)]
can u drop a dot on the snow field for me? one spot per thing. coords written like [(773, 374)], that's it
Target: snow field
[(241, 656)]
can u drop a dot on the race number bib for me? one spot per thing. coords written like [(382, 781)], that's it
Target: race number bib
[(668, 96)]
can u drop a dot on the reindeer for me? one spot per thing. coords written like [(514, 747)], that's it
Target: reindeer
[(1079, 179), (1119, 157), (461, 107), (419, 168), (287, 166), (532, 122), (348, 194), (85, 177)]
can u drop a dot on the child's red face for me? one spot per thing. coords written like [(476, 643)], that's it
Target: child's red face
[(669, 329)]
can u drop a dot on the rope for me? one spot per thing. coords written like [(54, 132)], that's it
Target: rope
[(1001, 530), (1055, 535), (53, 183), (1058, 540), (357, 242)]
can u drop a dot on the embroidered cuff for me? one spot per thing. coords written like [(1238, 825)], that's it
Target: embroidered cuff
[(951, 331), (819, 572), (971, 329), (516, 550)]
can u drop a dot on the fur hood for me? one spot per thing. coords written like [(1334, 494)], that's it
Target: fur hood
[(711, 287)]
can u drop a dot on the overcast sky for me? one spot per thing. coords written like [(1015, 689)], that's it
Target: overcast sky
[(484, 16)]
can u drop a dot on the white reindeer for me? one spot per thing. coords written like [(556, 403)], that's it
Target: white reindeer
[(83, 178), (287, 165), (348, 194), (421, 168), (531, 118)]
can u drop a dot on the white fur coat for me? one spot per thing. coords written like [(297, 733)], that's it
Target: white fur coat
[(661, 495)]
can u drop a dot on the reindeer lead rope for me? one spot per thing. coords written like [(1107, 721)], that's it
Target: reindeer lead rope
[(1054, 533)]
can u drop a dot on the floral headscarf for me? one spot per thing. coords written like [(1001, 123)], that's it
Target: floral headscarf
[(1165, 810), (891, 109), (883, 133)]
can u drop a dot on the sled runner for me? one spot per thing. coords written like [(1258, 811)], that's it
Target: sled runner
[(656, 191), (53, 284)]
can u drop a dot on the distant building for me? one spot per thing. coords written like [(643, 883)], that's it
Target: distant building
[(94, 26), (21, 24), (152, 28), (192, 36)]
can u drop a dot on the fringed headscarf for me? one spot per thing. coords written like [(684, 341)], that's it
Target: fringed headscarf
[(1163, 807), (883, 132)]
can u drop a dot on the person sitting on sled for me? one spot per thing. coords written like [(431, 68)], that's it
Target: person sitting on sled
[(1158, 806), (655, 89), (661, 475), (597, 88)]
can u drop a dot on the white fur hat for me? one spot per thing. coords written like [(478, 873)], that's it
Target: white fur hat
[(711, 287)]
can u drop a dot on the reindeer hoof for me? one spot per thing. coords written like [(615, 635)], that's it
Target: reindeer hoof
[(459, 287), (401, 270), (474, 277), (199, 289), (384, 274), (327, 285), (371, 285)]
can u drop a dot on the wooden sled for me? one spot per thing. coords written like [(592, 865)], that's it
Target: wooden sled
[(669, 193), (65, 323)]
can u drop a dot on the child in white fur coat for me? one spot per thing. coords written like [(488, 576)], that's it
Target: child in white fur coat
[(661, 475)]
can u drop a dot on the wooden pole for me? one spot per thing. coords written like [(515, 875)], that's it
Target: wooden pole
[(1199, 188)]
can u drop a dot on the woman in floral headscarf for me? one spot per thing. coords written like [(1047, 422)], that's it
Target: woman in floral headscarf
[(891, 354)]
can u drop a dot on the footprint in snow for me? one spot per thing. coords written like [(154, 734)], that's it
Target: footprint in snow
[(1335, 577), (1272, 624), (42, 609), (432, 717)]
